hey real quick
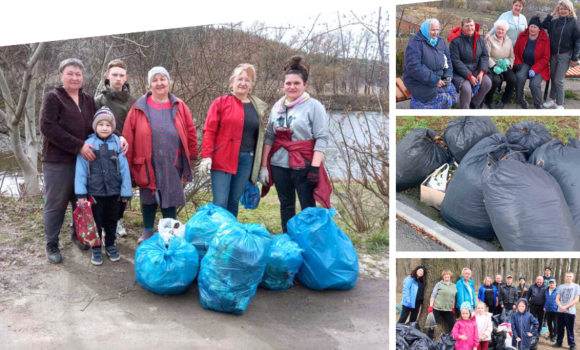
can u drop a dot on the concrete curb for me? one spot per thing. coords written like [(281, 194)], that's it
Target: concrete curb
[(445, 235)]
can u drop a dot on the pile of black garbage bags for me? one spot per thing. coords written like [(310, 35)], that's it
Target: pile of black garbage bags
[(521, 187), (410, 337)]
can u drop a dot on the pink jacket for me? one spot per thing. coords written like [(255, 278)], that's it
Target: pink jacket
[(469, 329), (487, 327)]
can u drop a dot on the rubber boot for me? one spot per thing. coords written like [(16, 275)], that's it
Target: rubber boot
[(145, 236)]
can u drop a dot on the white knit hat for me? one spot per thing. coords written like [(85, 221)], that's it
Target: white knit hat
[(157, 70)]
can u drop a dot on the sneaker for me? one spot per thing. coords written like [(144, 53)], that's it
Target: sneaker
[(97, 258), (554, 338), (112, 253), (524, 104), (572, 348), (53, 253), (121, 232), (559, 107), (557, 345), (78, 243), (549, 104), (490, 105), (499, 105)]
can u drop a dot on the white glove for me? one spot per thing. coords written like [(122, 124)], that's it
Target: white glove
[(264, 176), (204, 167)]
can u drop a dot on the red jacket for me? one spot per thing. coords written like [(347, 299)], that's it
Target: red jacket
[(298, 151), (137, 131), (222, 133), (542, 58)]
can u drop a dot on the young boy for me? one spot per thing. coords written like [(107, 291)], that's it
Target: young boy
[(567, 298), (106, 179), (524, 326), (117, 97)]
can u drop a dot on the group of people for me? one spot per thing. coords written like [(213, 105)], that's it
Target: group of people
[(95, 149), (474, 67), (530, 305)]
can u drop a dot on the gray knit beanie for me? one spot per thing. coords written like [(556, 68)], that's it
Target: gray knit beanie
[(157, 70), (104, 113)]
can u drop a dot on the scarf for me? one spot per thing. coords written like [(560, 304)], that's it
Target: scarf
[(425, 31), (282, 104)]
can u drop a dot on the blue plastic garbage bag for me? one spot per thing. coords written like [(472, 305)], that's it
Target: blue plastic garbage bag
[(251, 197), (165, 269), (203, 225), (284, 261), (330, 260), (233, 267)]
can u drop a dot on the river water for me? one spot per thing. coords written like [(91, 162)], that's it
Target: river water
[(357, 128)]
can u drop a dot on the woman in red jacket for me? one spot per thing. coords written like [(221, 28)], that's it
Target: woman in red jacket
[(532, 53), (162, 146), (233, 135)]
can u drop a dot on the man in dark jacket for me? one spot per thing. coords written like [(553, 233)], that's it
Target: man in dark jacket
[(508, 295), (551, 309), (470, 61), (536, 298), (117, 97), (498, 284), (547, 276)]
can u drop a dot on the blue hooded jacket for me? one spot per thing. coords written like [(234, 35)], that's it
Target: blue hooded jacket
[(410, 288), (108, 175), (550, 305), (481, 294), (424, 67), (523, 323), (463, 294)]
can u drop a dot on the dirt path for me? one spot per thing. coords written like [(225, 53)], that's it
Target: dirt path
[(79, 306)]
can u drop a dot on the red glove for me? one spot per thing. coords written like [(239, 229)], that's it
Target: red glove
[(453, 310), (430, 309)]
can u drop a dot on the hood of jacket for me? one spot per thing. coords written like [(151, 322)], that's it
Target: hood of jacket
[(524, 300), (122, 95)]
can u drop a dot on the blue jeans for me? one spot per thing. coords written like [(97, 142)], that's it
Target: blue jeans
[(227, 188)]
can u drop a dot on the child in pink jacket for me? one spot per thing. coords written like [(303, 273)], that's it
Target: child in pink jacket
[(465, 330)]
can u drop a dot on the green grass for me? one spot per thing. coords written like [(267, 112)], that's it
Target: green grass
[(568, 94), (561, 127)]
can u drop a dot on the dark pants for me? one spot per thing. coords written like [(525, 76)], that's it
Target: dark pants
[(122, 207), (535, 85), (59, 191), (493, 309), (465, 95), (288, 186), (149, 211), (566, 321), (228, 188), (510, 80), (538, 312), (106, 212), (506, 306), (447, 317), (551, 318), (406, 311)]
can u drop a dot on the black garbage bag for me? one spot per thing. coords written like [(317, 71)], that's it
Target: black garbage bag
[(506, 316), (563, 163), (495, 320), (411, 334), (401, 342), (462, 133), (535, 342), (446, 342), (527, 208), (414, 325), (498, 339), (422, 344), (530, 135), (463, 206), (419, 154)]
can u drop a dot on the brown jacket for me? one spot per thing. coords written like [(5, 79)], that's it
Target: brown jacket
[(64, 125)]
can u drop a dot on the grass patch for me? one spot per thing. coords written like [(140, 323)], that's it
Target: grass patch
[(568, 94), (378, 243)]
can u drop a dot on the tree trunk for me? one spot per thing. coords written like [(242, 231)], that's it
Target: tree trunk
[(483, 269), (574, 266), (557, 270), (434, 268), (508, 267)]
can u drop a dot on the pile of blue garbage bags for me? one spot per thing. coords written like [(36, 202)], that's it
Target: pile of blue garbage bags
[(231, 260)]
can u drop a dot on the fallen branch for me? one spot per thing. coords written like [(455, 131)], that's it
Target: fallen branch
[(93, 298)]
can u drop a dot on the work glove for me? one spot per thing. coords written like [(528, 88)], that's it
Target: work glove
[(517, 67), (264, 175), (313, 174), (531, 73), (430, 309), (204, 167), (453, 311)]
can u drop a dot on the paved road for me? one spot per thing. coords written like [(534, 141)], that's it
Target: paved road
[(408, 240)]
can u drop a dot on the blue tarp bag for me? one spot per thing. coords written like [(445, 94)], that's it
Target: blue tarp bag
[(165, 269), (251, 197), (203, 225), (233, 267), (330, 260), (284, 261)]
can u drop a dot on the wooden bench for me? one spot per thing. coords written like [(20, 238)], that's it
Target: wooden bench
[(402, 93)]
